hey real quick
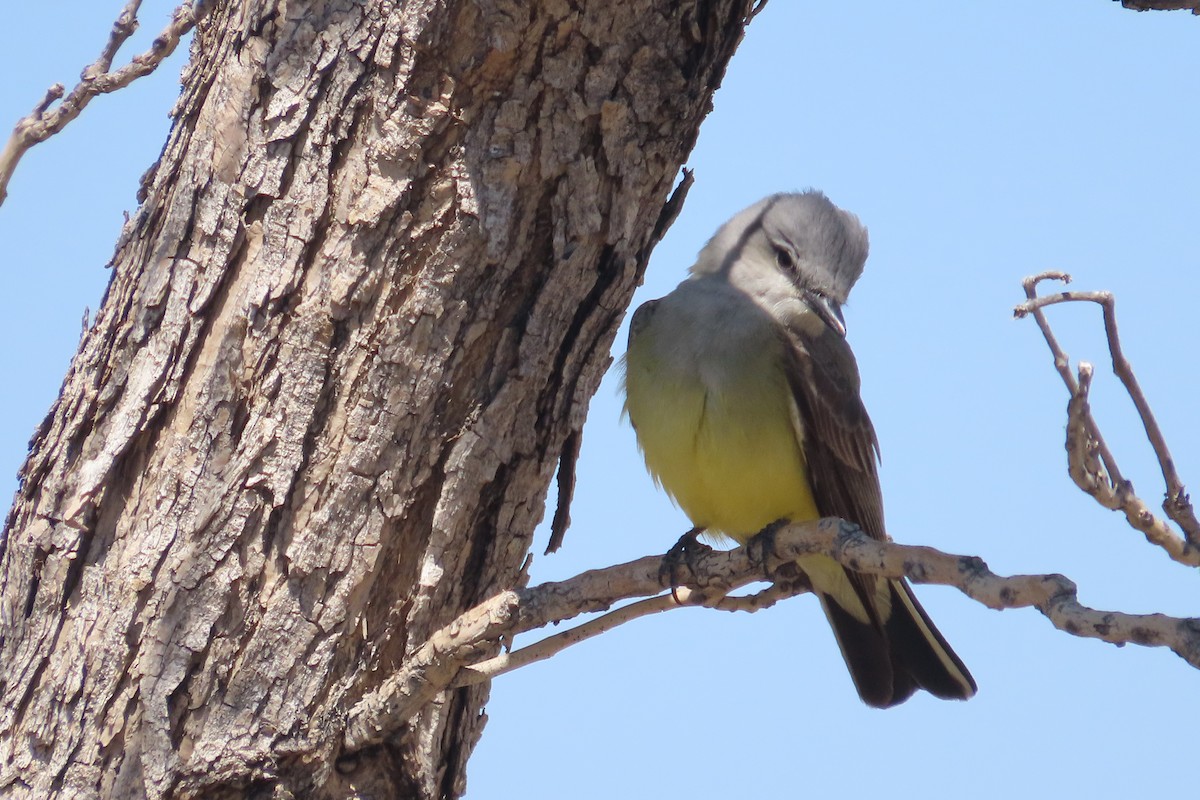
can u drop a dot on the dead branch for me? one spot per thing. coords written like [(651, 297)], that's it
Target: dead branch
[(1090, 463), (97, 78), (447, 660)]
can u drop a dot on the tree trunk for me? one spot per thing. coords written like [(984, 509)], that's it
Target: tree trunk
[(367, 297)]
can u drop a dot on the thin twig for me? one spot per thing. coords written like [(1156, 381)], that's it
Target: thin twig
[(551, 645), (1062, 361), (1089, 476), (1105, 483), (1082, 464), (1177, 504), (44, 121), (764, 599)]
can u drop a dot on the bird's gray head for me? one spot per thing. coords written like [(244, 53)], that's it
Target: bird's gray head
[(818, 246)]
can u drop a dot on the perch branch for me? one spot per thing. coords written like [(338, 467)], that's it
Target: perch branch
[(98, 78), (451, 659), (1091, 464)]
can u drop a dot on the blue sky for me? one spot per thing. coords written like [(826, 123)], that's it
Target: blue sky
[(979, 142)]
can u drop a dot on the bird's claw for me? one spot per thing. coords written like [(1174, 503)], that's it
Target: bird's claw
[(682, 554), (761, 547)]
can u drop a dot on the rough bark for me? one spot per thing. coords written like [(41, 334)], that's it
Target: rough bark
[(369, 292)]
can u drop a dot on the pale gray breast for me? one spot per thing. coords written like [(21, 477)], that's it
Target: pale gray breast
[(708, 330)]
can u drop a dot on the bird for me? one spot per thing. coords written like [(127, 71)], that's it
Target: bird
[(744, 395)]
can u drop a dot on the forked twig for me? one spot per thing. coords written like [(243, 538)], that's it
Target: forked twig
[(1091, 464)]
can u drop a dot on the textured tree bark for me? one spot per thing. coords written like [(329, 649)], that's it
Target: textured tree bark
[(367, 297)]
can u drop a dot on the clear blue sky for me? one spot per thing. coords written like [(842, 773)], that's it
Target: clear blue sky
[(979, 142)]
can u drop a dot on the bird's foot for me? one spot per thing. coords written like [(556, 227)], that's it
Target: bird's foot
[(682, 555)]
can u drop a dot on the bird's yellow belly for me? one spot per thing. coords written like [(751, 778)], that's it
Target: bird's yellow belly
[(729, 456)]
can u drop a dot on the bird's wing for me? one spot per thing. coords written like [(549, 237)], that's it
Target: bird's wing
[(842, 452), (897, 648), (839, 441)]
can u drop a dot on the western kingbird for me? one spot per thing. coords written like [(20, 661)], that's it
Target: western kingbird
[(745, 398)]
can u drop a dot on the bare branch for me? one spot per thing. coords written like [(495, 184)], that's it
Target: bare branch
[(1062, 361), (1091, 465), (96, 79), (1089, 476), (445, 663), (674, 205), (545, 648), (430, 669), (682, 596)]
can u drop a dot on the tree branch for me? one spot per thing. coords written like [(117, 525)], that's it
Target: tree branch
[(446, 660), (682, 596), (1090, 463), (43, 122), (1162, 5)]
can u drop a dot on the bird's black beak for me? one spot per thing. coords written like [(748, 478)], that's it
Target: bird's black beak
[(829, 310)]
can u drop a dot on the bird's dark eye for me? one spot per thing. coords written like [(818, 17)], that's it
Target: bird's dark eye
[(783, 258)]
